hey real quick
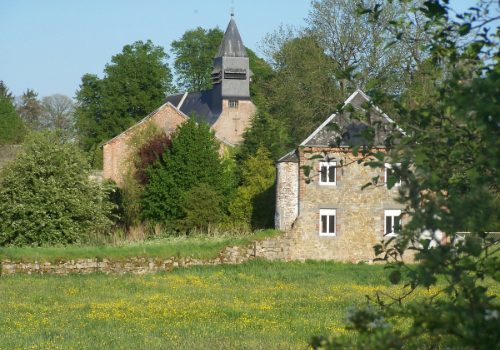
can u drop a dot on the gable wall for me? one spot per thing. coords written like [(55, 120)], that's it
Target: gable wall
[(359, 213), (116, 152), (233, 122)]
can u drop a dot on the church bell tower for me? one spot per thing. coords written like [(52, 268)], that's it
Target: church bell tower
[(231, 73)]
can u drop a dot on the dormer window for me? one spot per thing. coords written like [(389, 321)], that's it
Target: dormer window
[(233, 103), (327, 173)]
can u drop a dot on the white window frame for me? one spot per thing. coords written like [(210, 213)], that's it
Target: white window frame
[(391, 213), (233, 104), (386, 175), (328, 213), (328, 165)]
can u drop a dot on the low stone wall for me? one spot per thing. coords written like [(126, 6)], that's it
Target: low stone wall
[(286, 247), (267, 249)]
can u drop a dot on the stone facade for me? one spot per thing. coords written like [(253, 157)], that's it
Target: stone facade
[(232, 122), (358, 215), (116, 152), (287, 195)]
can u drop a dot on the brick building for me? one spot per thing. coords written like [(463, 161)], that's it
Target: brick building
[(226, 107), (319, 199)]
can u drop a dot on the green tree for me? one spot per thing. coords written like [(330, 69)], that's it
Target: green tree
[(264, 131), (194, 53), (46, 196), (202, 208), (191, 160), (134, 85), (5, 93), (303, 89), (254, 201), (30, 109), (450, 161), (12, 129)]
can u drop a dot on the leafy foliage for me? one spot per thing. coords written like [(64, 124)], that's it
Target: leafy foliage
[(134, 84), (30, 109), (202, 208), (46, 196), (12, 129), (149, 153), (193, 159), (303, 89), (194, 53), (264, 131), (254, 202), (450, 157)]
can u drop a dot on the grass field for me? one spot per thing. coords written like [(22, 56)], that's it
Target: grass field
[(200, 246), (257, 305)]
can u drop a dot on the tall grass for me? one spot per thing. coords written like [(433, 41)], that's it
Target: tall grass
[(258, 305)]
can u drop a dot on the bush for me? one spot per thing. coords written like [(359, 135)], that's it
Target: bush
[(193, 159), (46, 196), (12, 128), (148, 154), (202, 208), (254, 202)]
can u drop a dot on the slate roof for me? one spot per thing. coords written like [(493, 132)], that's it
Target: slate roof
[(344, 130), (232, 45), (198, 103), (290, 157)]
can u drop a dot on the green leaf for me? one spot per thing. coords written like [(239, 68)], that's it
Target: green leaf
[(395, 277)]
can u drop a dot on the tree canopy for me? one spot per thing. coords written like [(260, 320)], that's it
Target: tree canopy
[(46, 196), (12, 128), (134, 84), (191, 160), (194, 53), (450, 157)]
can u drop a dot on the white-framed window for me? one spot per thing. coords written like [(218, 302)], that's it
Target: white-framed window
[(327, 221), (392, 222), (233, 103), (327, 173), (389, 172)]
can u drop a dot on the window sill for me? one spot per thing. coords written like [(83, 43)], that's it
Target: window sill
[(328, 235), (331, 184)]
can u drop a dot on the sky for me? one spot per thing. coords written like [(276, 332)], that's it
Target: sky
[(48, 45)]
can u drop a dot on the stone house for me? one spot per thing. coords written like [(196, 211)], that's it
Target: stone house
[(226, 107), (319, 198)]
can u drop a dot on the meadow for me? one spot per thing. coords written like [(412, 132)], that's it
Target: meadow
[(257, 305)]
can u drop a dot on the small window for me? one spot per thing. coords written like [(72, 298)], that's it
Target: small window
[(327, 222), (233, 103), (392, 224), (389, 173), (327, 173)]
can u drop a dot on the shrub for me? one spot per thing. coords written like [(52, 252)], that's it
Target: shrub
[(149, 153), (254, 202), (46, 196), (192, 160), (202, 208), (12, 128)]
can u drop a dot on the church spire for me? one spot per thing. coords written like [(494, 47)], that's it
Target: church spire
[(232, 45), (231, 73)]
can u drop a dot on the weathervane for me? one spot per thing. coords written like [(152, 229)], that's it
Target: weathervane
[(232, 8)]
